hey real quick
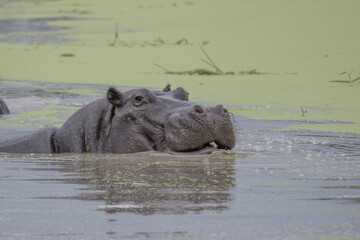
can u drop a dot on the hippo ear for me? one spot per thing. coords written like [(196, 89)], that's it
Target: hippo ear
[(167, 88), (181, 94), (114, 97)]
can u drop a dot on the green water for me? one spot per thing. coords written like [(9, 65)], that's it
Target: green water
[(301, 46)]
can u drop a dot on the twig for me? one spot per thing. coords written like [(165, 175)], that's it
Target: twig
[(167, 71), (211, 63), (116, 36)]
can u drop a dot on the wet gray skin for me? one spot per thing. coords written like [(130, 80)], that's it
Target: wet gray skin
[(3, 107), (135, 121)]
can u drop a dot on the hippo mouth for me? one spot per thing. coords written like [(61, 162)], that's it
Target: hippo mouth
[(188, 143), (207, 146), (163, 141)]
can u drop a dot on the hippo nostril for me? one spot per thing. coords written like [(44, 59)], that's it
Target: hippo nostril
[(220, 109), (198, 109)]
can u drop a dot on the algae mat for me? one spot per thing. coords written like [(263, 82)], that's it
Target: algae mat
[(300, 47)]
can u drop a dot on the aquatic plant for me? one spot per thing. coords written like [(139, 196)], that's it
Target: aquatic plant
[(116, 36), (189, 72), (155, 43), (67, 55), (303, 112), (201, 71), (210, 62), (349, 77)]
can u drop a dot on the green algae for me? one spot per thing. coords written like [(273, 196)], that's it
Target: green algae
[(50, 115), (315, 47)]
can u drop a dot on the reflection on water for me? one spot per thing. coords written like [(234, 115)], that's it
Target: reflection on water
[(155, 183), (144, 183)]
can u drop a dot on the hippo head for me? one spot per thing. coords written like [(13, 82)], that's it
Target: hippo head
[(141, 120)]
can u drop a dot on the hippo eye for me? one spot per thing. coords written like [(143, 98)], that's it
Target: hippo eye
[(139, 98)]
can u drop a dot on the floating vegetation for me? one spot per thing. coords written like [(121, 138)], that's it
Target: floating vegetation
[(303, 112), (74, 11), (155, 43), (190, 72), (67, 55), (349, 79), (116, 36), (215, 69), (173, 4)]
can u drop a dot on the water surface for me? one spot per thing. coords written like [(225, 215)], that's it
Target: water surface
[(300, 46), (278, 184), (281, 183)]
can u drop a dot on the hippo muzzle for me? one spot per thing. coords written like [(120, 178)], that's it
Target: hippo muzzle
[(197, 127)]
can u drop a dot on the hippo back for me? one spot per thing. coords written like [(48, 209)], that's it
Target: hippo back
[(83, 130), (39, 141)]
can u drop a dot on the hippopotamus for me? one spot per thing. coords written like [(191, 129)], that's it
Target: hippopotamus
[(133, 121), (3, 108)]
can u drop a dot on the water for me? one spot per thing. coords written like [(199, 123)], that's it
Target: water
[(277, 185)]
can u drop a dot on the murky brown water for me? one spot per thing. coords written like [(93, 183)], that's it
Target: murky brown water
[(278, 185)]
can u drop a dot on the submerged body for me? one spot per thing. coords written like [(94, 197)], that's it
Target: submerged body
[(3, 108), (134, 121)]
